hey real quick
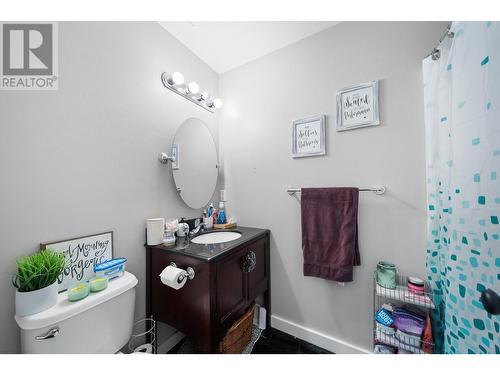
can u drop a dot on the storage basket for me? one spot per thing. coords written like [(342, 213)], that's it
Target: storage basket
[(239, 335), (401, 295)]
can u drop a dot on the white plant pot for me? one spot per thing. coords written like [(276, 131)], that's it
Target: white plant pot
[(29, 303)]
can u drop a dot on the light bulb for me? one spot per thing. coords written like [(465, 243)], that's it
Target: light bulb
[(204, 96), (217, 103), (176, 79), (193, 88)]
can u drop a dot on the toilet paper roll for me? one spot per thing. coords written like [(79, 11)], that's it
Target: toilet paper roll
[(170, 276), (154, 230)]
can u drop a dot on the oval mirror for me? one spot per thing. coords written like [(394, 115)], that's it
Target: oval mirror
[(196, 170)]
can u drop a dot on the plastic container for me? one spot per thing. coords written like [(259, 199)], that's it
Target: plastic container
[(111, 268), (78, 291), (168, 238), (98, 283), (416, 285)]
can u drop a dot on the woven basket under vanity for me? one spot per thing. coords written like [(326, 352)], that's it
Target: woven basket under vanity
[(239, 335)]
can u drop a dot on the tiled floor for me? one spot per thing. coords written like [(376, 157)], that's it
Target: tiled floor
[(276, 342)]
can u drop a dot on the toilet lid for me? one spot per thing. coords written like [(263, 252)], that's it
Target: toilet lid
[(65, 309)]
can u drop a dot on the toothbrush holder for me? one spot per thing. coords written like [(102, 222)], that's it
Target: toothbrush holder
[(209, 222)]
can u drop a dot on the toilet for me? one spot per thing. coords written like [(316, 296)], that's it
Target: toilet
[(99, 324)]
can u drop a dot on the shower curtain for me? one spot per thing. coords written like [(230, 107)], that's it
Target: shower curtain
[(462, 123)]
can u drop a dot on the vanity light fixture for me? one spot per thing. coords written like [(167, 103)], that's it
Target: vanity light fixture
[(191, 91), (203, 96), (216, 103), (192, 88), (176, 79)]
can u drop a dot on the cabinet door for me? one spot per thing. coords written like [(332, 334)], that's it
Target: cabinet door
[(231, 285), (258, 277)]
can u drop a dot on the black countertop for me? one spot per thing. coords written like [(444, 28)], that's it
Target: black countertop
[(209, 252)]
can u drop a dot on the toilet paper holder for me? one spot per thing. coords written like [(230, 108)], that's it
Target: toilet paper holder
[(189, 273)]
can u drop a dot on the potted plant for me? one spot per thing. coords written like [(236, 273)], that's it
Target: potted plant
[(36, 281)]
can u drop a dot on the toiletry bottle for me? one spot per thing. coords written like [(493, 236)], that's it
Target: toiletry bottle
[(214, 216), (210, 212), (221, 215)]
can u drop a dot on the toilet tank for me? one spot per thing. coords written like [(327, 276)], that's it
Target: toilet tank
[(100, 323)]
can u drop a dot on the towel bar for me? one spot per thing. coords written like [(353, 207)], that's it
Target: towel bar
[(379, 190)]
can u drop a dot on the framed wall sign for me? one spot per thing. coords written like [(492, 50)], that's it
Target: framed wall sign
[(308, 137), (357, 106), (81, 254)]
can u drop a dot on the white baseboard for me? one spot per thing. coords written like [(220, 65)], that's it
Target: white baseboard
[(314, 337)]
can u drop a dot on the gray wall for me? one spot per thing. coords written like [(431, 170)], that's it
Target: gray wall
[(83, 159), (262, 98)]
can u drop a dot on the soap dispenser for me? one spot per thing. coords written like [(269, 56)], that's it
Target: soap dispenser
[(221, 214)]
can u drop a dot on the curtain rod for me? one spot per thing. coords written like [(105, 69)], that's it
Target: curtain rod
[(436, 53)]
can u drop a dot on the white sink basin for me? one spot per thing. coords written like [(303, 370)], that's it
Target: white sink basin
[(216, 237)]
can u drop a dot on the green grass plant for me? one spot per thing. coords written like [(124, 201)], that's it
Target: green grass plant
[(38, 270)]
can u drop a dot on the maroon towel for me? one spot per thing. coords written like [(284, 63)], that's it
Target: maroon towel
[(330, 232)]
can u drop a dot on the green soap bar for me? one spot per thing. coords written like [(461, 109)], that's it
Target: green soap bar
[(78, 291)]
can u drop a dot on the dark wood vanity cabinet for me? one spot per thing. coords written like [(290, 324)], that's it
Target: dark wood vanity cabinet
[(222, 289)]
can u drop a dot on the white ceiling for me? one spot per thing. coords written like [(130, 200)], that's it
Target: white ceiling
[(227, 45)]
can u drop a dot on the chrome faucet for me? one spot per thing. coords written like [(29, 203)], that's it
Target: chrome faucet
[(201, 227), (198, 228)]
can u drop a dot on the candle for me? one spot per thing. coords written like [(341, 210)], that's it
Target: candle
[(78, 291), (386, 275), (98, 283)]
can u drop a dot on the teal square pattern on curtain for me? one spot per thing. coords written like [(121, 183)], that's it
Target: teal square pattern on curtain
[(462, 121)]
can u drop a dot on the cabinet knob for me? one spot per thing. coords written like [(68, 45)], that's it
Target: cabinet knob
[(249, 262)]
